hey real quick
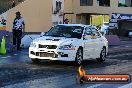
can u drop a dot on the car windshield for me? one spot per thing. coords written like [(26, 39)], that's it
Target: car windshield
[(66, 31)]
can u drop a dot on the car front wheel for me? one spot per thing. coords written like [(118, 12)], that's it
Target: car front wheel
[(79, 56), (102, 55)]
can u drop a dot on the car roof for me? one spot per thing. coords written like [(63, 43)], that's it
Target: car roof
[(82, 25)]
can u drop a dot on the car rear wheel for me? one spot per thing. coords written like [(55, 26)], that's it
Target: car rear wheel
[(102, 55), (79, 56), (35, 60)]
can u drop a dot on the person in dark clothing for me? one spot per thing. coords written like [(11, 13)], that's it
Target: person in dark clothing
[(13, 4), (66, 21), (3, 21), (18, 28)]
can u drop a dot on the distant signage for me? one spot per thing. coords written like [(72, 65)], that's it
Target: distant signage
[(117, 16), (57, 12)]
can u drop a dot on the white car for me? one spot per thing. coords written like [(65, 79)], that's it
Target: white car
[(105, 27), (70, 42)]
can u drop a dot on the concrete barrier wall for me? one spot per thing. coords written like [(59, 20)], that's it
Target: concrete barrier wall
[(36, 13)]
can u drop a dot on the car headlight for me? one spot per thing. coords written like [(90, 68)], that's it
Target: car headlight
[(33, 45), (67, 47)]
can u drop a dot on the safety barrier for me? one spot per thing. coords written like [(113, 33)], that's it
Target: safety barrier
[(3, 46), (6, 42)]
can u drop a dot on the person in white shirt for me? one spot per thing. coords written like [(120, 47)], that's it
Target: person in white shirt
[(18, 28)]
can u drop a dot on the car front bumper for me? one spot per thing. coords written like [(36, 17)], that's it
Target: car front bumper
[(52, 54)]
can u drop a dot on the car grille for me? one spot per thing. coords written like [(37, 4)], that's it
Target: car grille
[(45, 54), (48, 46)]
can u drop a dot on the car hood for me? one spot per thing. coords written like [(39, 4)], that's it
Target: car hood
[(47, 40)]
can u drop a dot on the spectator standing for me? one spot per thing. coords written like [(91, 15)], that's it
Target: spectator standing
[(18, 28), (13, 4), (66, 21)]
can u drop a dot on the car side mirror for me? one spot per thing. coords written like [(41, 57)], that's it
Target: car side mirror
[(42, 34)]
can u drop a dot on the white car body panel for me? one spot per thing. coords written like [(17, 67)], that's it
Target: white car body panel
[(91, 47)]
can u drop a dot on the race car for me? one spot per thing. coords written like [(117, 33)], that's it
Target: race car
[(70, 42)]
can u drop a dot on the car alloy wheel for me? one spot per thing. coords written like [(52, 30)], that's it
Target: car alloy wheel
[(79, 56), (102, 55)]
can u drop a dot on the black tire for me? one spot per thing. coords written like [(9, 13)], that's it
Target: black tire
[(79, 57), (35, 60), (102, 55)]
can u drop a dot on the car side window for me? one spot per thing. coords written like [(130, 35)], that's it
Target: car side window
[(95, 32), (88, 31)]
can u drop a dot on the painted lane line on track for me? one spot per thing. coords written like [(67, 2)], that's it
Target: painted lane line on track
[(15, 54), (116, 47), (8, 56), (95, 86), (128, 46), (4, 57)]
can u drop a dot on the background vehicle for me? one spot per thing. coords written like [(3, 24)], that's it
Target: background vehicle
[(130, 34), (70, 42), (105, 27)]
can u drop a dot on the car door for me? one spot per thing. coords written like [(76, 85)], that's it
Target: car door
[(88, 44), (97, 42)]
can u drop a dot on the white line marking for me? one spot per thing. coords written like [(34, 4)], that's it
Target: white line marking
[(3, 57), (94, 86), (15, 54), (8, 56), (116, 47), (127, 46)]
